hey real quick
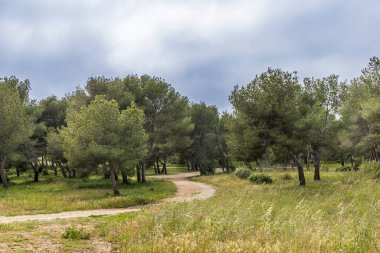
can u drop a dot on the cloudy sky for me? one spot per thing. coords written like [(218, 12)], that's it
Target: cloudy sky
[(203, 48)]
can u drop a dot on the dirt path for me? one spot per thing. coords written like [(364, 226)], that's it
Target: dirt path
[(186, 191)]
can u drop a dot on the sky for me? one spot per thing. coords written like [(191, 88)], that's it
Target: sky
[(202, 48)]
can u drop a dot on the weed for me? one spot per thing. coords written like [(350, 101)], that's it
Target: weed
[(76, 234)]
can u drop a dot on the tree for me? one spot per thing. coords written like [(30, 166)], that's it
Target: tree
[(271, 105), (100, 135), (359, 114), (204, 148), (323, 97), (15, 125)]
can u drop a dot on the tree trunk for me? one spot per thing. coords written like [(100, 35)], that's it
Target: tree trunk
[(36, 172), (138, 173), (308, 160), (63, 169), (158, 165), (3, 173), (113, 179), (188, 165), (341, 159), (74, 173), (164, 169), (54, 167), (301, 175), (317, 165), (142, 166), (124, 174)]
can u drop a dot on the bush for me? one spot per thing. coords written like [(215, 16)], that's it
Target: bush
[(347, 168), (76, 234), (287, 176), (243, 173), (261, 179), (371, 168)]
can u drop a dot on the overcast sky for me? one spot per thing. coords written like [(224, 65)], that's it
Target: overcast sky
[(202, 47)]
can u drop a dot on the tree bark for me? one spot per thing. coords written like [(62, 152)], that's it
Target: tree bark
[(301, 175), (158, 165), (164, 169), (341, 159), (113, 179), (54, 167), (188, 165), (317, 165), (138, 173), (3, 173), (124, 174), (36, 172), (63, 169), (142, 166)]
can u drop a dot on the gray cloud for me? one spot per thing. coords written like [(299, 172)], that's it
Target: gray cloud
[(203, 48)]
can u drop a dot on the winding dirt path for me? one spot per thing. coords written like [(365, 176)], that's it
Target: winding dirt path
[(186, 191)]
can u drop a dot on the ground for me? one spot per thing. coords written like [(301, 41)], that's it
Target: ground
[(339, 214), (56, 194)]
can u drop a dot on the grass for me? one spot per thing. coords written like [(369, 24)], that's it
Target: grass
[(339, 214), (56, 194), (76, 234), (171, 170)]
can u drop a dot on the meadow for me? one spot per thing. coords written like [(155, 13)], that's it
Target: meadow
[(56, 194), (335, 215)]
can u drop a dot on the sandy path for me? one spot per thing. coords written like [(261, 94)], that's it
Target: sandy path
[(186, 191)]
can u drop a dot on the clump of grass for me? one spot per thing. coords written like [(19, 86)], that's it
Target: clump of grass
[(286, 176), (243, 173), (260, 179), (347, 168), (76, 234), (371, 168)]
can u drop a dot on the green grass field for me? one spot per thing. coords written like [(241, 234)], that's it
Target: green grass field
[(339, 214), (171, 170), (56, 194)]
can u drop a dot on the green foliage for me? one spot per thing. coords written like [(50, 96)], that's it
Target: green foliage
[(371, 168), (347, 168), (286, 176), (204, 149), (260, 179), (76, 234), (243, 173)]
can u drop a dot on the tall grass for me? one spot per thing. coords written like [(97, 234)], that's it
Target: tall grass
[(335, 215)]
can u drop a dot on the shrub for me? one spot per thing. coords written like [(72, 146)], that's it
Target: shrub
[(347, 168), (76, 234), (261, 179), (371, 168), (243, 173), (287, 176)]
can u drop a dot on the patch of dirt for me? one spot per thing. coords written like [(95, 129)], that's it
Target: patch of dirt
[(47, 238)]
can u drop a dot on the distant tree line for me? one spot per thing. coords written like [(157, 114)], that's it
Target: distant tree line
[(122, 126)]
